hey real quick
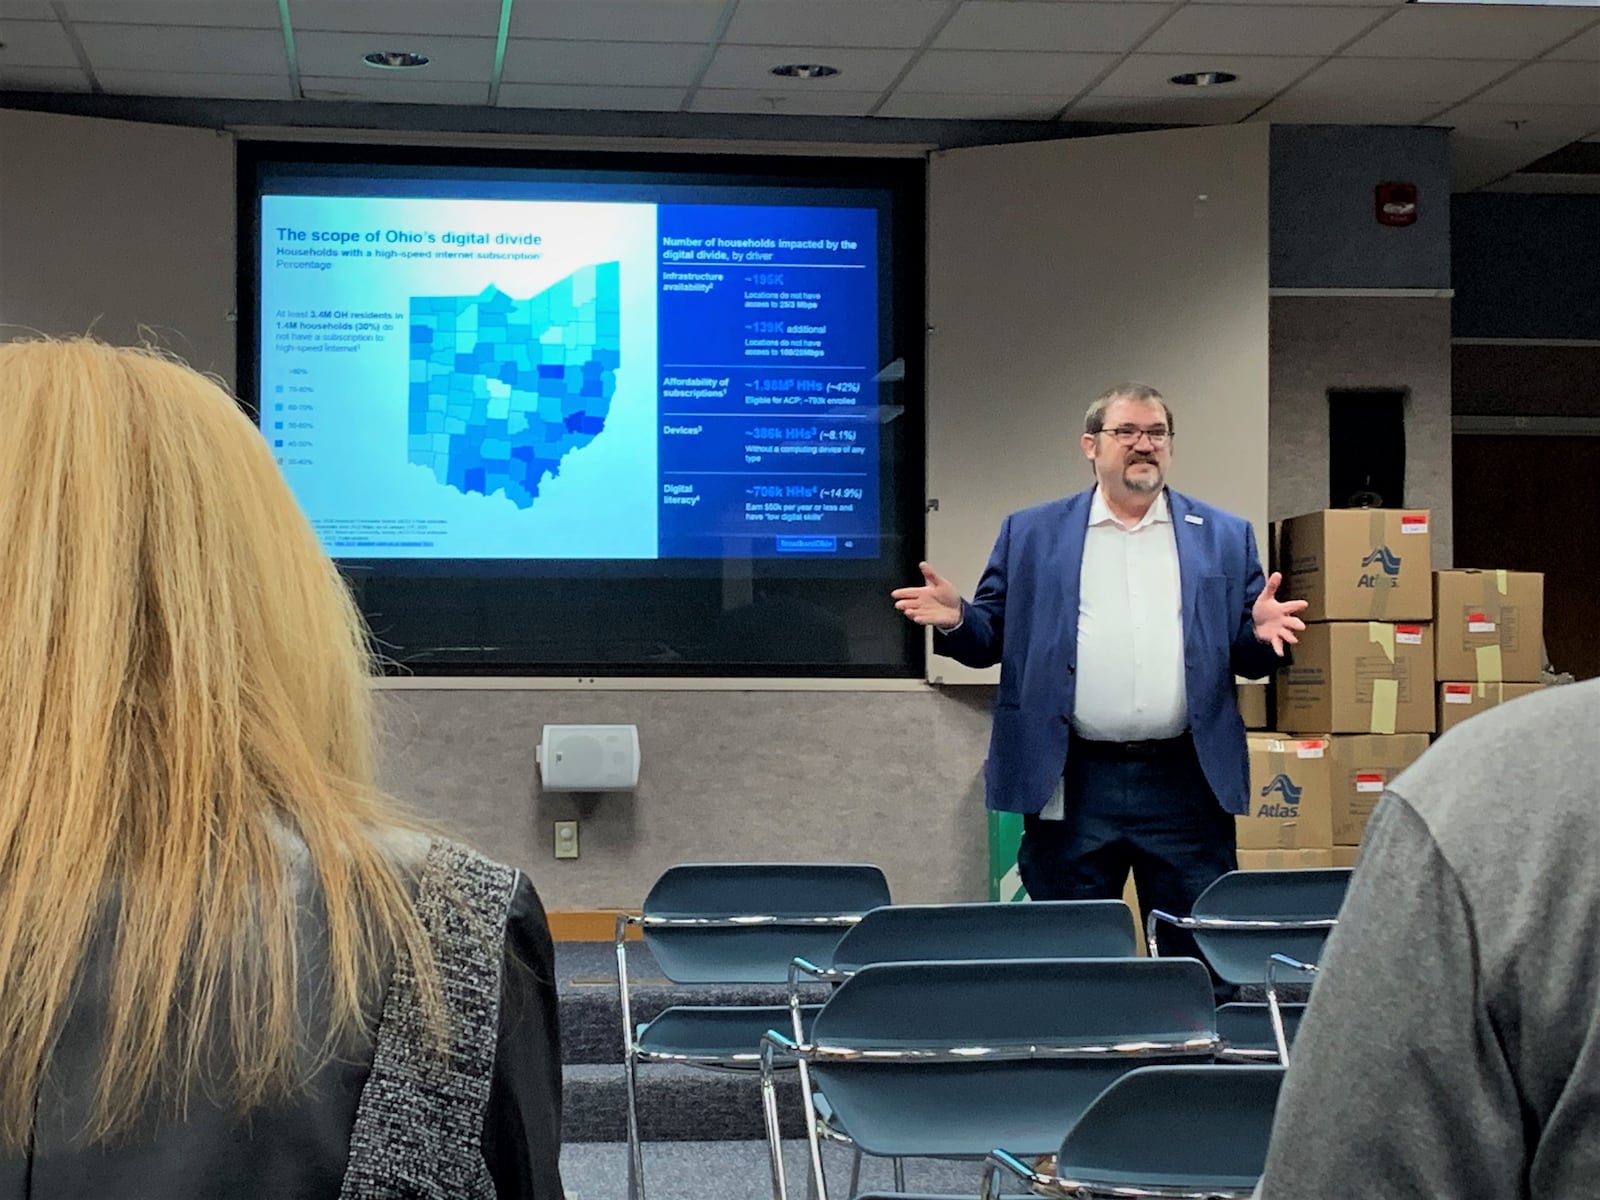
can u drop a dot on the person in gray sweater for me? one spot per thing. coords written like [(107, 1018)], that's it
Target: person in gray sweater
[(1452, 1043)]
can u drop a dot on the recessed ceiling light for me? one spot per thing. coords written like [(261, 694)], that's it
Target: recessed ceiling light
[(395, 60), (1203, 78), (805, 70)]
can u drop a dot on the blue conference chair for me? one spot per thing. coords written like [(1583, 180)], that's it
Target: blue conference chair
[(730, 923), (1162, 1133), (1247, 916), (946, 932), (950, 1059), (1250, 1034)]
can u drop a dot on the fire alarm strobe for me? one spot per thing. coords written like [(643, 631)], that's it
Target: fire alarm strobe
[(1396, 203)]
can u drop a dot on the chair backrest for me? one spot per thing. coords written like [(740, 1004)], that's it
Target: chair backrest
[(1249, 1026), (1239, 956), (745, 922), (1190, 1127), (997, 930), (952, 1059)]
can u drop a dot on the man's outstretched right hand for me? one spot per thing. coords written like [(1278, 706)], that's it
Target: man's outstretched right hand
[(935, 603)]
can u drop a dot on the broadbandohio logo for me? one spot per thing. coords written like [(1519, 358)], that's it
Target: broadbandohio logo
[(1385, 558), (1281, 785)]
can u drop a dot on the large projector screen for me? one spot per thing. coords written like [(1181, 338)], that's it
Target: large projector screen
[(567, 415)]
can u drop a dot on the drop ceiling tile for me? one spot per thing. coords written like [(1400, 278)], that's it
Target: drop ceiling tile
[(208, 85), (932, 105), (1006, 72), (35, 44), (1470, 31), (1046, 25), (624, 64), (617, 20), (43, 79), (1521, 122), (1149, 74), (460, 18), (392, 90), (809, 104), (1163, 110), (1259, 29), (26, 10), (450, 59), (888, 23), (1436, 81), (183, 48), (749, 68), (1299, 108), (576, 95), (1549, 83), (230, 14), (1583, 48)]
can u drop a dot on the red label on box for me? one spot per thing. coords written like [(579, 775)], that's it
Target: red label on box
[(1409, 635), (1413, 523), (1458, 693), (1369, 781)]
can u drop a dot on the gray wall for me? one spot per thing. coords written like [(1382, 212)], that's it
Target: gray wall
[(1324, 232), (1326, 342), (884, 777)]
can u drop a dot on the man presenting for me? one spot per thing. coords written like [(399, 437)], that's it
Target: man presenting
[(1119, 617)]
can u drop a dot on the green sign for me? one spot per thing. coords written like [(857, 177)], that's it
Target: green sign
[(1005, 835)]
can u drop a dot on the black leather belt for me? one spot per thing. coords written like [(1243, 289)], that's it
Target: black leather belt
[(1149, 750)]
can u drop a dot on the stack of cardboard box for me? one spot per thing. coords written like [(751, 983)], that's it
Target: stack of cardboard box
[(1358, 703), (1490, 645)]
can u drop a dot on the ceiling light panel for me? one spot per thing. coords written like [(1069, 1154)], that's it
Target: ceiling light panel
[(1034, 25)]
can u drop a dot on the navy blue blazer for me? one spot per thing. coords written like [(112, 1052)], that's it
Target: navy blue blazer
[(1024, 616)]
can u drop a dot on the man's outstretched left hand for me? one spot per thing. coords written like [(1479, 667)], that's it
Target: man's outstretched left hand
[(1274, 618)]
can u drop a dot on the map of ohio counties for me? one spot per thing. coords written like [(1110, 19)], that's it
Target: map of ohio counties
[(502, 390)]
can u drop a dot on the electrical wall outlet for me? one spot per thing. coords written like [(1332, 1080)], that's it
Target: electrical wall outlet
[(566, 839)]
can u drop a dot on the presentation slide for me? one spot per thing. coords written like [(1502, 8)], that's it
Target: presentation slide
[(507, 378)]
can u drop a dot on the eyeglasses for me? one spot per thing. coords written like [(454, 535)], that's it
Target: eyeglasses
[(1129, 435)]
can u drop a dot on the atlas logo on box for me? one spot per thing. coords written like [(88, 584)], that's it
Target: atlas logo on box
[(1389, 561), (1281, 785)]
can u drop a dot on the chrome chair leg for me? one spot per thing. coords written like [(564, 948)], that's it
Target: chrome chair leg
[(899, 1174), (769, 1116), (855, 1174)]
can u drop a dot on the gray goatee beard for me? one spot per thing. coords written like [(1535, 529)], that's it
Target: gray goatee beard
[(1143, 483)]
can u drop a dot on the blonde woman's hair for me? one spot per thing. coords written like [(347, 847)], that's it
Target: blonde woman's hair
[(185, 713)]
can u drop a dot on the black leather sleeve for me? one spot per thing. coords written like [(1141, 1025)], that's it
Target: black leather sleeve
[(522, 1128)]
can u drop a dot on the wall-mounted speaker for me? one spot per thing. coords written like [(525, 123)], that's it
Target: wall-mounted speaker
[(589, 758)]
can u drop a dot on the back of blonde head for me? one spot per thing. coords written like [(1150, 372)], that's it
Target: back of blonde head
[(184, 705)]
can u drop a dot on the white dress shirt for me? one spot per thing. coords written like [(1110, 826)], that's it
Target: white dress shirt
[(1130, 683)]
